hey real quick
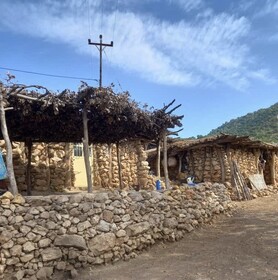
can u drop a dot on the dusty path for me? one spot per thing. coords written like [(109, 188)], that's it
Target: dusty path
[(244, 246)]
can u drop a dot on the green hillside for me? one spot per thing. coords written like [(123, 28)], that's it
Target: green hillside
[(262, 125)]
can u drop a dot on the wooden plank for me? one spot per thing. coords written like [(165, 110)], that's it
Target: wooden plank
[(258, 181)]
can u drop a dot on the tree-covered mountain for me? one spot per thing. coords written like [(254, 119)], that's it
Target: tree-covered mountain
[(262, 125)]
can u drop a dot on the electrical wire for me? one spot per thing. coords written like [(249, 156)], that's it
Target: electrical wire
[(115, 18), (48, 75), (111, 63)]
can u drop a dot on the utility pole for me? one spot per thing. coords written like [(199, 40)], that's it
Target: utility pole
[(100, 46)]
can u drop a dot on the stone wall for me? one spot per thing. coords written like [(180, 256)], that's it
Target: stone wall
[(42, 234), (51, 165), (134, 166), (213, 164)]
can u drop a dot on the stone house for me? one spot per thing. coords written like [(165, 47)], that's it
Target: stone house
[(210, 159), (54, 168)]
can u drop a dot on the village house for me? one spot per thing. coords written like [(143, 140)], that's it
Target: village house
[(212, 159)]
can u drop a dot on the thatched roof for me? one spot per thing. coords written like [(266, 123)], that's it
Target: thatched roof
[(52, 117), (179, 146), (220, 140)]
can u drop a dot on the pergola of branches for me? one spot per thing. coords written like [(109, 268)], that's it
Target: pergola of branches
[(92, 115)]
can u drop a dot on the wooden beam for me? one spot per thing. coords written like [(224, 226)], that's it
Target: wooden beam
[(222, 165), (272, 168), (86, 150), (29, 144), (158, 159), (119, 165), (165, 160)]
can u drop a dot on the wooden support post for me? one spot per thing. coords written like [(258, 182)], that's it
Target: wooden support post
[(158, 159), (257, 159), (110, 165), (211, 155), (119, 165), (28, 144), (180, 163), (204, 165), (222, 165), (165, 161), (47, 160), (272, 168), (67, 159), (86, 150)]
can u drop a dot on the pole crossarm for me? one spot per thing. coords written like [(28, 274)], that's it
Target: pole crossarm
[(100, 46)]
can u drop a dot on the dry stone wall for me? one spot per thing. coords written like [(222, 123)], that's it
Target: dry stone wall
[(51, 165), (134, 166), (41, 234), (213, 164)]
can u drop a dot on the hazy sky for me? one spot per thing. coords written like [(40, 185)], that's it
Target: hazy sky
[(217, 58)]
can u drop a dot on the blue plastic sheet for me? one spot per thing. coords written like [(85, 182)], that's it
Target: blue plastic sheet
[(3, 169)]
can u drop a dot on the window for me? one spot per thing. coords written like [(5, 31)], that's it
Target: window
[(78, 150)]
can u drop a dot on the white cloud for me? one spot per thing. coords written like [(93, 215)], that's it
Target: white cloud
[(270, 7), (187, 5), (182, 53)]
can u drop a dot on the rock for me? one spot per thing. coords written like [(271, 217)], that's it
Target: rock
[(61, 265), (24, 229), (28, 247), (26, 258), (77, 198), (51, 254), (61, 199), (101, 197), (5, 236), (170, 223), (2, 269), (18, 219), (7, 195), (16, 250), (18, 275), (45, 242), (74, 273), (40, 230), (103, 226), (75, 241), (107, 216), (44, 215), (34, 211), (136, 196), (121, 233), (188, 227), (44, 273), (12, 261), (3, 221), (9, 244), (83, 226), (19, 199), (126, 218), (7, 213), (136, 229), (102, 243)]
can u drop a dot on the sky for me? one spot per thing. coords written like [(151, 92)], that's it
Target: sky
[(216, 58)]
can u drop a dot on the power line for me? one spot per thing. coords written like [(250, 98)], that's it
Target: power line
[(49, 75)]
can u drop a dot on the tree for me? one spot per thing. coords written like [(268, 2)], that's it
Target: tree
[(9, 157)]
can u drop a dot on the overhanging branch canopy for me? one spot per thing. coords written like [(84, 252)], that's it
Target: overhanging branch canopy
[(49, 117)]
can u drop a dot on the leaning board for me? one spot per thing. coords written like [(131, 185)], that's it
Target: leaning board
[(257, 180)]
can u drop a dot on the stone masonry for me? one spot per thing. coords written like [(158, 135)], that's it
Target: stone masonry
[(39, 235)]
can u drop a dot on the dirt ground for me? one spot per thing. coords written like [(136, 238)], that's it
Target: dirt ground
[(244, 246)]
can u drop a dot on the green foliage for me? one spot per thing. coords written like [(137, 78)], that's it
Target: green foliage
[(261, 125)]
